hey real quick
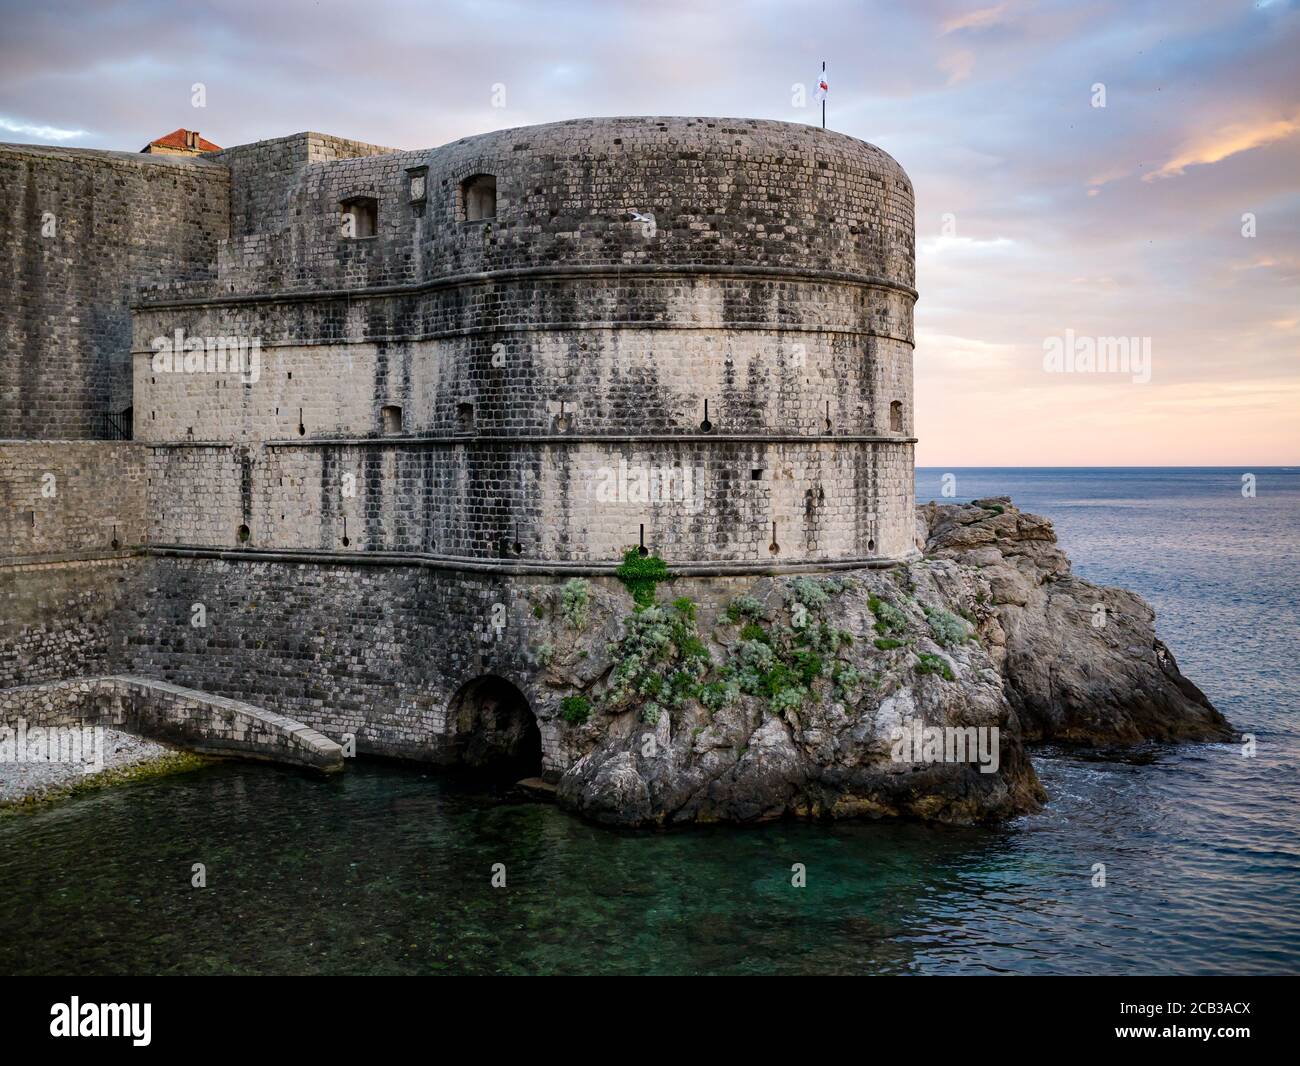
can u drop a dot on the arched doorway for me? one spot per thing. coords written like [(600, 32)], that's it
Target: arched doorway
[(494, 729)]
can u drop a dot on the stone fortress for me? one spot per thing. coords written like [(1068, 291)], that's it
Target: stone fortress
[(309, 422)]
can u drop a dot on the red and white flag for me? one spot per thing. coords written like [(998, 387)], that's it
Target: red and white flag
[(823, 87)]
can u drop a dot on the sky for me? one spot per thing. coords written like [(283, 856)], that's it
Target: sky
[(1164, 224)]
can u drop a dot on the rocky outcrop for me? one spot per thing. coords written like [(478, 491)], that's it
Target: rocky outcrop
[(902, 692), (1081, 662)]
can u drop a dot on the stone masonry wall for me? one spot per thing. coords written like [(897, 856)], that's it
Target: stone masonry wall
[(535, 356), (60, 620), (264, 173), (632, 379), (211, 724), (722, 192), (699, 502), (63, 505), (377, 651), (758, 340), (78, 231), (60, 497)]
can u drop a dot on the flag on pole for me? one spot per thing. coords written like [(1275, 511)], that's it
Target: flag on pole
[(823, 86)]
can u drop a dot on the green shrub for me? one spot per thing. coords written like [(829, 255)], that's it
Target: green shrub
[(743, 607), (947, 628), (640, 575), (575, 709), (846, 678), (809, 665), (812, 593), (718, 694), (824, 638), (926, 663), (754, 658), (787, 699), (659, 655), (889, 619), (888, 643), (754, 631), (545, 654), (575, 603)]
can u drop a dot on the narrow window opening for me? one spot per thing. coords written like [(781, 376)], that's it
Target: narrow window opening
[(756, 475), (478, 195), (359, 217), (465, 417), (896, 417), (244, 534), (392, 416)]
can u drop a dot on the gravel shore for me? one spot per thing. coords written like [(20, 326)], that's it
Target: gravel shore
[(27, 781)]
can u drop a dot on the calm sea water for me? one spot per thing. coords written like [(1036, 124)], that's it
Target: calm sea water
[(387, 870)]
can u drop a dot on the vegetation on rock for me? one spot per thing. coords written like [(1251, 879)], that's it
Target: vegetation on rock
[(575, 603), (575, 709), (928, 663), (641, 574)]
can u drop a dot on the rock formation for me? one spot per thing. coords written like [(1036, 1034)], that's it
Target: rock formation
[(793, 701)]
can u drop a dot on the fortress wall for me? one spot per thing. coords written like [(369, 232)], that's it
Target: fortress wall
[(264, 173), (629, 380), (59, 497), (583, 501), (62, 581), (721, 191), (801, 332), (375, 651), (768, 237), (61, 620), (199, 495), (78, 230), (653, 297), (378, 651)]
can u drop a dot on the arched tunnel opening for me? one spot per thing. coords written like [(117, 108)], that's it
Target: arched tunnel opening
[(496, 733)]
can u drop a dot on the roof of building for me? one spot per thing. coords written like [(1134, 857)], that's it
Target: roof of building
[(179, 139)]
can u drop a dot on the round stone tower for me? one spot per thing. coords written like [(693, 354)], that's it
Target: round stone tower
[(548, 344), (704, 326)]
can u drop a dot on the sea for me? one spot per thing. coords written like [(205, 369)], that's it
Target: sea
[(1172, 859)]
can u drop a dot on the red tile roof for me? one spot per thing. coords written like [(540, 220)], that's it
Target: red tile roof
[(177, 139)]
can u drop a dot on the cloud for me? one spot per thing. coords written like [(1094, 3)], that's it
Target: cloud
[(986, 104), (973, 20), (1225, 142), (957, 65), (44, 133)]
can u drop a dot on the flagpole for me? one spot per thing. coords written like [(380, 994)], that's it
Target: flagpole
[(823, 98)]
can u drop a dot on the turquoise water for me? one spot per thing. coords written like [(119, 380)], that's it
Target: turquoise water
[(388, 870)]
